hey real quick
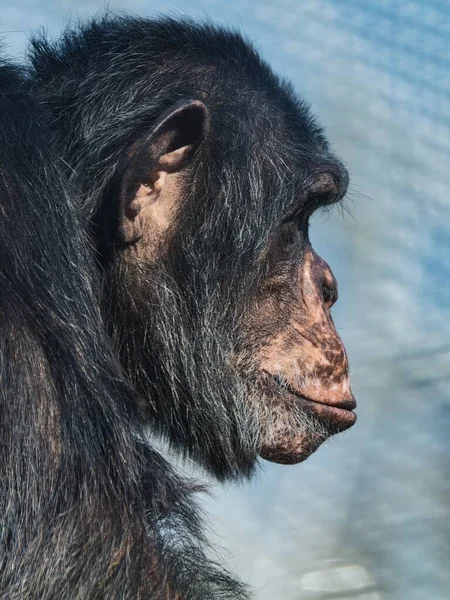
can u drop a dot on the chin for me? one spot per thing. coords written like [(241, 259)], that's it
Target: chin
[(293, 451), (294, 427)]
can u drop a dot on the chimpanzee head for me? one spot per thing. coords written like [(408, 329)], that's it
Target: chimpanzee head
[(204, 169)]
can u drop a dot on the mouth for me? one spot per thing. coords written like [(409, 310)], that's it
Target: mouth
[(338, 415)]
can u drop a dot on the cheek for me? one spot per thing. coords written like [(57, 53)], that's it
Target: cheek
[(156, 233), (154, 222)]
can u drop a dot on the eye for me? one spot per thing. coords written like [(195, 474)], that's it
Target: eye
[(289, 236), (301, 221), (303, 225)]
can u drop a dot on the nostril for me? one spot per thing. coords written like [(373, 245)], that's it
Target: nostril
[(329, 294)]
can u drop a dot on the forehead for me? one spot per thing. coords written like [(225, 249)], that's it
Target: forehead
[(269, 118), (275, 146)]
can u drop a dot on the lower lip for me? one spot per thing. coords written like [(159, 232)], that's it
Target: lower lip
[(340, 418)]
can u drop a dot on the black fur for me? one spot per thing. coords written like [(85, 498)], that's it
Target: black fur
[(87, 510), (104, 84)]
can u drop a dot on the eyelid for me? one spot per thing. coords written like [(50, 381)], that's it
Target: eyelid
[(313, 201), (310, 204)]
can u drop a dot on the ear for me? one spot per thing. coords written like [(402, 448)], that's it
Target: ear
[(148, 183)]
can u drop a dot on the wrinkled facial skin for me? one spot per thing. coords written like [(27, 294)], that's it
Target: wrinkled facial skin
[(303, 378)]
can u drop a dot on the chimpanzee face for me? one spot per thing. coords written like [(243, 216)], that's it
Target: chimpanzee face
[(301, 361), (253, 335)]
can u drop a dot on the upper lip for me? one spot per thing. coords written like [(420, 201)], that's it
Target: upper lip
[(344, 403)]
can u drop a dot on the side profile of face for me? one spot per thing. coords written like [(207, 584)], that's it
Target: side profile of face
[(272, 341), (206, 168), (301, 361)]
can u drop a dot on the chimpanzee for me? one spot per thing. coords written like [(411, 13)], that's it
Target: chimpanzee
[(87, 509), (198, 170), (159, 275)]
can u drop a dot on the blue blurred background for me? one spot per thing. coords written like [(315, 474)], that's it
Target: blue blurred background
[(367, 516)]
